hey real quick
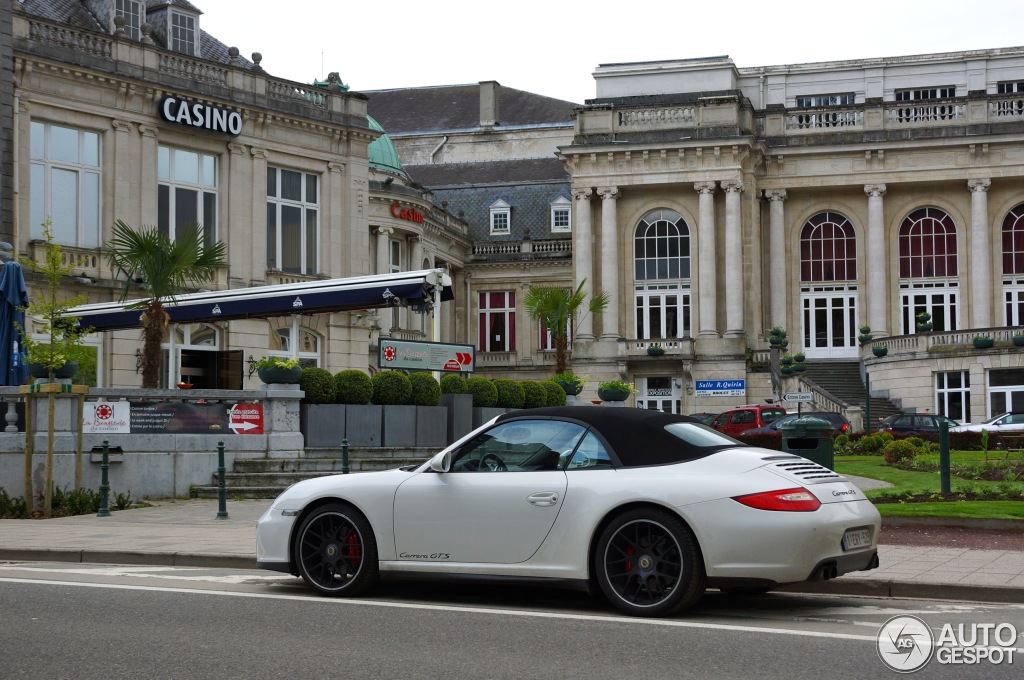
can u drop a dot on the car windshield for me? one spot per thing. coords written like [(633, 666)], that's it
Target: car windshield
[(771, 416)]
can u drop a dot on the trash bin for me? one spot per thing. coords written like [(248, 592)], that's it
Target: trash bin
[(811, 438)]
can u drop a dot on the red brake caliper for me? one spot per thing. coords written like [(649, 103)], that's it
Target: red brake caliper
[(353, 550), (629, 563)]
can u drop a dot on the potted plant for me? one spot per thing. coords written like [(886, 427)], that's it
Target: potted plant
[(879, 350), (924, 322), (1017, 339), (865, 335), (279, 370), (655, 350), (614, 390), (570, 383), (983, 341), (776, 335), (51, 357)]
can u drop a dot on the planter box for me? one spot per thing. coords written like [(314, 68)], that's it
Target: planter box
[(431, 426), (363, 424), (323, 425), (399, 426), (481, 415), (460, 415)]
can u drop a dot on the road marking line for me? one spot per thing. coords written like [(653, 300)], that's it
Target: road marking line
[(471, 610)]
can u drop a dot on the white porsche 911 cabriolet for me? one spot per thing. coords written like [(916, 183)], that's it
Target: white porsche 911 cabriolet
[(649, 508)]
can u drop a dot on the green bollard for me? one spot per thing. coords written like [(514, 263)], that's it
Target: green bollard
[(344, 456), (944, 457), (104, 510), (222, 501)]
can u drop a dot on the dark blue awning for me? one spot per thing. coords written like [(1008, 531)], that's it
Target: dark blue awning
[(308, 297)]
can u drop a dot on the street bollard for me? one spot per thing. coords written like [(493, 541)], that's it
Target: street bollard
[(104, 510), (944, 457), (344, 456), (222, 501)]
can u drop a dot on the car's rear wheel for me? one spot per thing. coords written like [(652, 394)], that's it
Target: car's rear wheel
[(648, 564), (335, 551)]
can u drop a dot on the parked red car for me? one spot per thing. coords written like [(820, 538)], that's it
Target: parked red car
[(742, 418)]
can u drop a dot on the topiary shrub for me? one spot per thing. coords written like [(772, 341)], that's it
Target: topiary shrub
[(899, 450), (453, 384), (533, 394), (510, 393), (391, 388), (352, 387), (484, 393), (318, 385), (554, 393), (425, 389)]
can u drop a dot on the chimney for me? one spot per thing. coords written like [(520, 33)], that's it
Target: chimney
[(489, 91)]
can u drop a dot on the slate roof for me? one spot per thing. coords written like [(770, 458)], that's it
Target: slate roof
[(457, 107), (516, 171), (530, 209), (74, 13)]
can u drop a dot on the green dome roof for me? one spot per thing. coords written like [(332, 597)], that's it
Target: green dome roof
[(383, 155)]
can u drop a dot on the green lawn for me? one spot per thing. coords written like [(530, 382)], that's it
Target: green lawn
[(874, 467)]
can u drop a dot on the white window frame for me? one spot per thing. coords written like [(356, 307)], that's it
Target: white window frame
[(507, 311), (1010, 87), (918, 296), (293, 350), (85, 165), (173, 348), (131, 11), (943, 391), (501, 218), (922, 93), (174, 173), (822, 100), (309, 235), (653, 305), (183, 39), (561, 215), (395, 256)]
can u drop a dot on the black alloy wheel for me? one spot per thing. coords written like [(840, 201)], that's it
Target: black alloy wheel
[(336, 552), (648, 564)]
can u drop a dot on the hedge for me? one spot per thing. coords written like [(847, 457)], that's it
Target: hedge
[(425, 389), (510, 393), (391, 388), (318, 385), (352, 387), (484, 393)]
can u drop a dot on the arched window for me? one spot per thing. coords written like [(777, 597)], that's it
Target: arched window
[(927, 245), (928, 271), (828, 249), (661, 268), (1013, 266), (828, 290)]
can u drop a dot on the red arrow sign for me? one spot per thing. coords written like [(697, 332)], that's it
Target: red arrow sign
[(452, 365), (246, 418)]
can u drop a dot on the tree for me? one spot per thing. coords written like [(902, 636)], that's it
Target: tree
[(560, 310), (166, 268)]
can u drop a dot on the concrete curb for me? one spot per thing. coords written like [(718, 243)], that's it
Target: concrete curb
[(139, 558), (909, 590), (960, 522)]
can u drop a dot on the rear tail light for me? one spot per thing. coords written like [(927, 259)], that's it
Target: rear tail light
[(797, 499), (845, 427)]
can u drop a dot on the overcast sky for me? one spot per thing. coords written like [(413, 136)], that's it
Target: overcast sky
[(552, 47)]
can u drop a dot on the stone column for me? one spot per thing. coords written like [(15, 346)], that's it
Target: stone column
[(384, 266), (707, 298), (415, 253), (148, 174), (878, 283), (610, 261), (734, 279), (777, 256), (981, 257), (583, 256)]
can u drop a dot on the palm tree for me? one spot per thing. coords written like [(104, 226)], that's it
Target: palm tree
[(560, 310), (167, 269)]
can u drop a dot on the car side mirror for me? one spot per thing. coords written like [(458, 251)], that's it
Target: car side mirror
[(442, 462)]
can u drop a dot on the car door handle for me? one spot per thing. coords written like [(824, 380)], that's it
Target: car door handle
[(543, 498)]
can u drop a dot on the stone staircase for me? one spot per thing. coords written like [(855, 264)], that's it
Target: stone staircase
[(842, 380), (268, 477)]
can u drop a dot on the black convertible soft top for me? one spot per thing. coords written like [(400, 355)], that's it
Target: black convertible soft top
[(636, 436)]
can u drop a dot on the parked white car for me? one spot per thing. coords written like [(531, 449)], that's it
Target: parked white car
[(1007, 422), (647, 507)]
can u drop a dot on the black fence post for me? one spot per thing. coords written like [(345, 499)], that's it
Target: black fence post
[(222, 501), (344, 456), (104, 510)]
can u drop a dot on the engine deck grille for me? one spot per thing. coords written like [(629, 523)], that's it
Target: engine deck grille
[(807, 471)]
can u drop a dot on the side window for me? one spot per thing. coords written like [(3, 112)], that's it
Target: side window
[(771, 416), (591, 455), (741, 417), (720, 420), (519, 446)]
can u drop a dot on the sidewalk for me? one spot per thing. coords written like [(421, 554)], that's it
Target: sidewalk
[(187, 533)]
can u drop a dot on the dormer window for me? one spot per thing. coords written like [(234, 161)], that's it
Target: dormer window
[(561, 214), (131, 12), (501, 217), (183, 33)]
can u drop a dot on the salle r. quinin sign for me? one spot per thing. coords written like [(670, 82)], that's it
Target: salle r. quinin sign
[(199, 115)]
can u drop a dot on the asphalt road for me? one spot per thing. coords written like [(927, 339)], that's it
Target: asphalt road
[(99, 621)]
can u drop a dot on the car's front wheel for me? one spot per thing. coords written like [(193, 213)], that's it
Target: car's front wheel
[(648, 564), (335, 551)]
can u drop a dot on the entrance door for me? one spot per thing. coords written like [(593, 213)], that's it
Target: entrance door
[(829, 319), (659, 393)]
